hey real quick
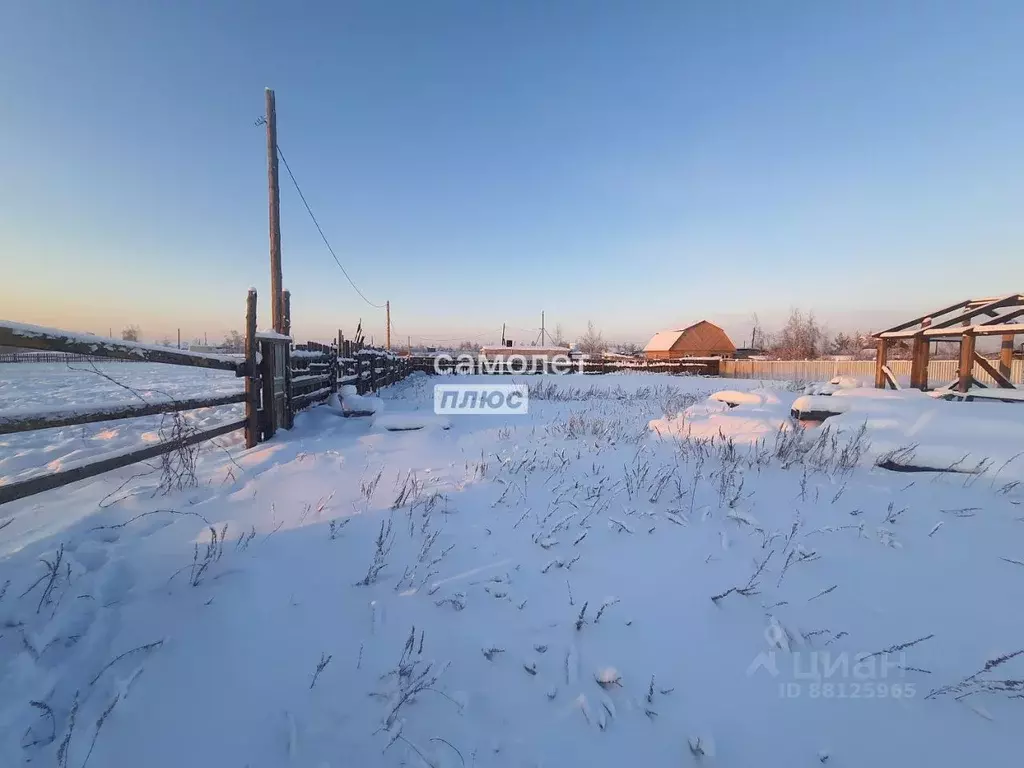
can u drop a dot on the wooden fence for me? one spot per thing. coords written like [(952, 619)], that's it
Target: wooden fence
[(279, 381), (939, 371)]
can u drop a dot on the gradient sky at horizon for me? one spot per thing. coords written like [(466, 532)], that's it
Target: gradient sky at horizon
[(641, 164)]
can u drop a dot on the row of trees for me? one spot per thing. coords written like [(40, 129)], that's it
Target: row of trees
[(233, 340), (804, 338)]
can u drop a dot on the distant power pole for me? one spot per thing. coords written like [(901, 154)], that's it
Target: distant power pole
[(542, 327), (179, 338), (274, 190), (387, 309)]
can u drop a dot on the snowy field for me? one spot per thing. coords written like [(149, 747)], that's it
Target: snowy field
[(599, 582)]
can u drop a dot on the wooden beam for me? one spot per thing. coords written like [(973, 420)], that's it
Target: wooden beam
[(919, 363), (1006, 356), (967, 344), (14, 491), (978, 330), (883, 348), (90, 414), (1005, 317), (890, 377), (965, 317), (916, 320), (988, 368), (56, 340)]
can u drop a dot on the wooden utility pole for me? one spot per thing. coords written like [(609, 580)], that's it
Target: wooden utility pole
[(387, 309), (276, 299), (542, 327)]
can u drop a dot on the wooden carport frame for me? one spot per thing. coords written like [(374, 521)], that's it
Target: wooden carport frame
[(956, 321)]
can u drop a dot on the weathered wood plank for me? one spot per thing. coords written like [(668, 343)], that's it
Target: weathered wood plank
[(90, 414), (890, 377), (967, 346), (252, 386), (302, 401), (1006, 356), (882, 351), (56, 340), (988, 368), (20, 490)]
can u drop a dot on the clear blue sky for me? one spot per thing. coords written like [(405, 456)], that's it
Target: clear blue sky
[(643, 164)]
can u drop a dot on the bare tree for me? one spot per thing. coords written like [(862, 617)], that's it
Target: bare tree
[(629, 348), (558, 337), (800, 339), (234, 341), (131, 333), (592, 342)]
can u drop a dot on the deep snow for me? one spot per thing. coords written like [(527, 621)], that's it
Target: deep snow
[(536, 574)]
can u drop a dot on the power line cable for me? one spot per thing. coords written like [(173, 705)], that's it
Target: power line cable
[(322, 235)]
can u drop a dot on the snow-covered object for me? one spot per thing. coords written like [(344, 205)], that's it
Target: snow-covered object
[(759, 417), (607, 676), (830, 387), (354, 403), (818, 404), (307, 354), (734, 398), (401, 422), (273, 335)]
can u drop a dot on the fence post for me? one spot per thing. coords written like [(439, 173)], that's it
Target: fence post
[(286, 350), (967, 346), (335, 362), (287, 324), (252, 389)]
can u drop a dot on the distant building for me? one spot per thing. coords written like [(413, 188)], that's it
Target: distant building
[(701, 339)]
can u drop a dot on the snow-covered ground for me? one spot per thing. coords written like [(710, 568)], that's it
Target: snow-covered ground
[(589, 584)]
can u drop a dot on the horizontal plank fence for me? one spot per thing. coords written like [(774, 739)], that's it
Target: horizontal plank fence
[(57, 357), (280, 379), (65, 417), (52, 340), (939, 371)]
